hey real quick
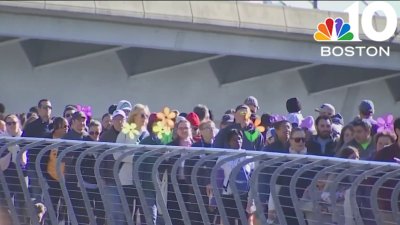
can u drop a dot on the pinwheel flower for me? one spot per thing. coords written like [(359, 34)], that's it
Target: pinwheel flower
[(160, 129), (385, 124), (163, 132), (308, 123), (85, 109), (258, 126), (167, 116), (130, 130)]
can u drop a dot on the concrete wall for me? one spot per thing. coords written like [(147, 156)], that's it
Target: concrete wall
[(100, 81)]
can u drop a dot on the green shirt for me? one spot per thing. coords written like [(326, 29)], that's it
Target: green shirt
[(365, 145)]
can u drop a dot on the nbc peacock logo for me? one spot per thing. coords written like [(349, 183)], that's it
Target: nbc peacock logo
[(333, 30)]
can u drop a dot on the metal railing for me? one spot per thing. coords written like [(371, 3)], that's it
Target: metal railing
[(101, 183)]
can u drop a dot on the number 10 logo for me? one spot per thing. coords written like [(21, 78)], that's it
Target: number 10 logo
[(337, 30)]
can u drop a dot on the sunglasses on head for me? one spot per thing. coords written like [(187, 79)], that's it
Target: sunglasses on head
[(94, 133), (11, 123), (297, 140)]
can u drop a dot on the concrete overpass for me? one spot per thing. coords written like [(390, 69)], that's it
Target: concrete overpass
[(181, 53)]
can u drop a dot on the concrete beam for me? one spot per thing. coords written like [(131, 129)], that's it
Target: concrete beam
[(209, 42), (276, 73), (42, 53), (8, 41), (176, 66), (231, 69), (77, 58), (393, 85), (325, 78), (141, 60)]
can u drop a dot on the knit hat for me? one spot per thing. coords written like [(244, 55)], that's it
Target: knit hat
[(193, 118), (366, 107), (293, 105)]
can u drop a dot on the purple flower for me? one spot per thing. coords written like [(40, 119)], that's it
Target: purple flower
[(276, 118), (85, 109), (308, 123), (385, 123)]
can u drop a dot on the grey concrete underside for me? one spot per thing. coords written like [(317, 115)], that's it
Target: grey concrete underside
[(236, 50)]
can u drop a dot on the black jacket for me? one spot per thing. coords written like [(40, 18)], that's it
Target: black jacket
[(37, 128), (314, 147), (221, 138)]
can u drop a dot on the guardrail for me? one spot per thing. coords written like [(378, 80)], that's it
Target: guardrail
[(101, 183)]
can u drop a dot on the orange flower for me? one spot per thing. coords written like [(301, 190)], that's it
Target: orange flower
[(258, 126), (166, 116)]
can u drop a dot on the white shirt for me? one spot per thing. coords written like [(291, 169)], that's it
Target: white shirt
[(228, 167)]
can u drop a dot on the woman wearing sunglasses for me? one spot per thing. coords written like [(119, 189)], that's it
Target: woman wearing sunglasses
[(8, 164), (297, 142), (95, 130), (139, 117)]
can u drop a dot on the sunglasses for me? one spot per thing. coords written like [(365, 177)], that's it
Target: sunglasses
[(297, 140), (243, 113), (68, 115), (144, 116), (11, 123), (94, 133)]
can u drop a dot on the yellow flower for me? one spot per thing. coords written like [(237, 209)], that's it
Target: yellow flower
[(130, 130), (258, 126), (166, 116), (160, 129)]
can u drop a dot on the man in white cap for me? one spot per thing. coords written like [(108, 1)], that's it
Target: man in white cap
[(125, 106), (118, 120), (326, 109)]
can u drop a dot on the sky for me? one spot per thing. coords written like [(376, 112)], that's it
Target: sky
[(330, 5)]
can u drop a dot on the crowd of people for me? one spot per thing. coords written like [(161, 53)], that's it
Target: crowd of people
[(241, 128)]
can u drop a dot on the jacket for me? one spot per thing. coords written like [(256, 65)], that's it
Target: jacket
[(315, 148), (277, 147), (37, 128), (109, 136), (365, 154), (256, 145)]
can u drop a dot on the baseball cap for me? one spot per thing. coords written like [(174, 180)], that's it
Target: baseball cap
[(243, 106), (366, 107), (78, 115), (326, 107), (227, 118), (251, 100), (119, 112), (124, 105)]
